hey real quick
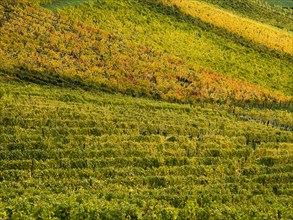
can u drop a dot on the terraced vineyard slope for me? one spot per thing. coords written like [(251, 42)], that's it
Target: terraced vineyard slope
[(108, 59), (68, 152), (160, 25), (149, 109)]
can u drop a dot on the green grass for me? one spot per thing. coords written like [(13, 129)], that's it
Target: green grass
[(81, 153), (59, 4), (282, 3)]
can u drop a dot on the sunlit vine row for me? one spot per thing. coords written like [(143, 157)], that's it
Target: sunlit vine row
[(268, 36)]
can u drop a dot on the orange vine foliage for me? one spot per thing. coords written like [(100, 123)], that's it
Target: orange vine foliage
[(34, 38)]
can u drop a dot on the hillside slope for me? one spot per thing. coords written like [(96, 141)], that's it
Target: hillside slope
[(154, 24), (259, 10), (69, 153), (108, 59), (126, 109), (247, 28)]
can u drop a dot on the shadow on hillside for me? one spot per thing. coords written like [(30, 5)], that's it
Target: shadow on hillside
[(50, 78), (175, 13)]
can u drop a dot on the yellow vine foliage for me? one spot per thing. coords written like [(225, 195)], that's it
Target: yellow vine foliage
[(38, 40), (264, 34)]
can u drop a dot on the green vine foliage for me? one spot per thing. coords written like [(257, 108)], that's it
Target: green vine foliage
[(104, 114), (69, 151)]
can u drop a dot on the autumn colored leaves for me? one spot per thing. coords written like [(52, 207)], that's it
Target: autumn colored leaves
[(35, 39), (260, 33)]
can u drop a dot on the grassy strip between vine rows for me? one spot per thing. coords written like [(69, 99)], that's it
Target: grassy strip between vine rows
[(283, 3), (59, 4)]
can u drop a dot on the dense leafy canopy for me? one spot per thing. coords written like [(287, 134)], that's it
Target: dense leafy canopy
[(126, 109)]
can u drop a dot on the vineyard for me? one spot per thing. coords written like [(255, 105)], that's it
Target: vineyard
[(90, 155), (258, 10), (258, 32), (199, 44), (149, 109), (105, 59)]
